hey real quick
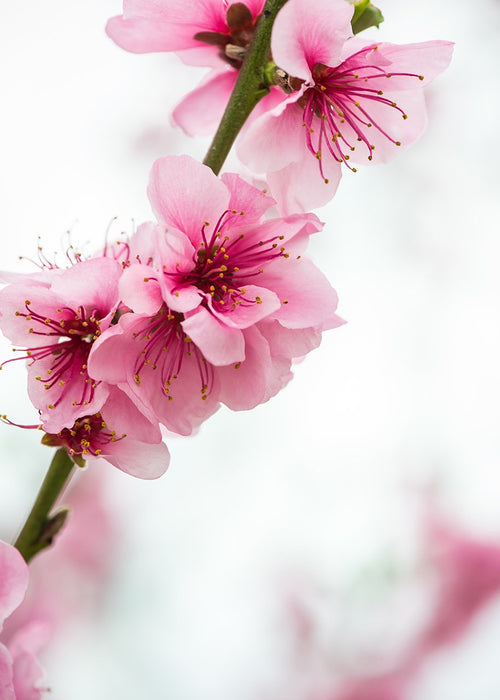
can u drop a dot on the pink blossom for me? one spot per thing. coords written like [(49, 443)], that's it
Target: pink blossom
[(350, 102), (118, 433), (207, 32), (20, 673), (221, 308), (77, 566), (389, 687), (212, 33), (468, 577), (56, 317)]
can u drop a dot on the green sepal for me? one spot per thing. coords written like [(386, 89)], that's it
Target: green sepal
[(365, 15)]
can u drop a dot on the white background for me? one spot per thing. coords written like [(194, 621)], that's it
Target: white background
[(316, 485)]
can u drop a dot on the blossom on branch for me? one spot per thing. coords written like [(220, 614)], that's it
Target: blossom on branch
[(213, 33), (349, 102)]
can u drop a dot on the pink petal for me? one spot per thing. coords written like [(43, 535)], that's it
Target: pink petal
[(258, 303), (288, 342), (246, 198), (165, 25), (6, 675), (140, 289), (13, 580), (426, 58), (199, 113), (139, 459), (185, 194), (307, 33), (92, 283), (300, 187), (391, 123), (245, 385), (220, 344), (124, 417), (27, 676), (307, 298), (275, 139)]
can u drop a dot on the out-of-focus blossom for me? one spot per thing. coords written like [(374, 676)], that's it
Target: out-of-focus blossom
[(468, 577), (464, 576), (21, 676), (69, 580), (223, 305), (349, 102)]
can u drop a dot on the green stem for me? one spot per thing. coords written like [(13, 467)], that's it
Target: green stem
[(41, 526), (250, 87)]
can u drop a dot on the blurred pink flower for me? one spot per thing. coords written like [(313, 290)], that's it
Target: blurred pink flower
[(68, 581), (20, 672), (468, 577), (223, 305), (350, 102)]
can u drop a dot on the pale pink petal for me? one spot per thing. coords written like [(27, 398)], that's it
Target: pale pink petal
[(275, 139), (187, 195), (426, 58), (139, 459), (402, 131), (176, 256), (14, 320), (245, 385), (13, 580), (142, 247), (220, 344), (92, 283), (164, 25), (288, 342), (140, 289), (300, 187), (199, 113), (307, 33), (6, 675), (106, 360), (307, 298), (246, 200), (27, 676), (123, 416)]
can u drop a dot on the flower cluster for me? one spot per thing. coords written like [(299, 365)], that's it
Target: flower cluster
[(209, 305), (335, 101)]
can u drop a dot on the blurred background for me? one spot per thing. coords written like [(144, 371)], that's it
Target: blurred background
[(303, 549)]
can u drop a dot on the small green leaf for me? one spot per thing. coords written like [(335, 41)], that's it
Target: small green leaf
[(365, 15)]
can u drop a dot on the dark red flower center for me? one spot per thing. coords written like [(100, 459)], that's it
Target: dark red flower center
[(338, 110), (233, 43)]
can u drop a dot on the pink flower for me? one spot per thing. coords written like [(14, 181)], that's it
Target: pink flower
[(56, 318), (207, 32), (221, 308), (468, 578), (211, 33), (118, 433), (350, 102), (389, 687), (20, 673)]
